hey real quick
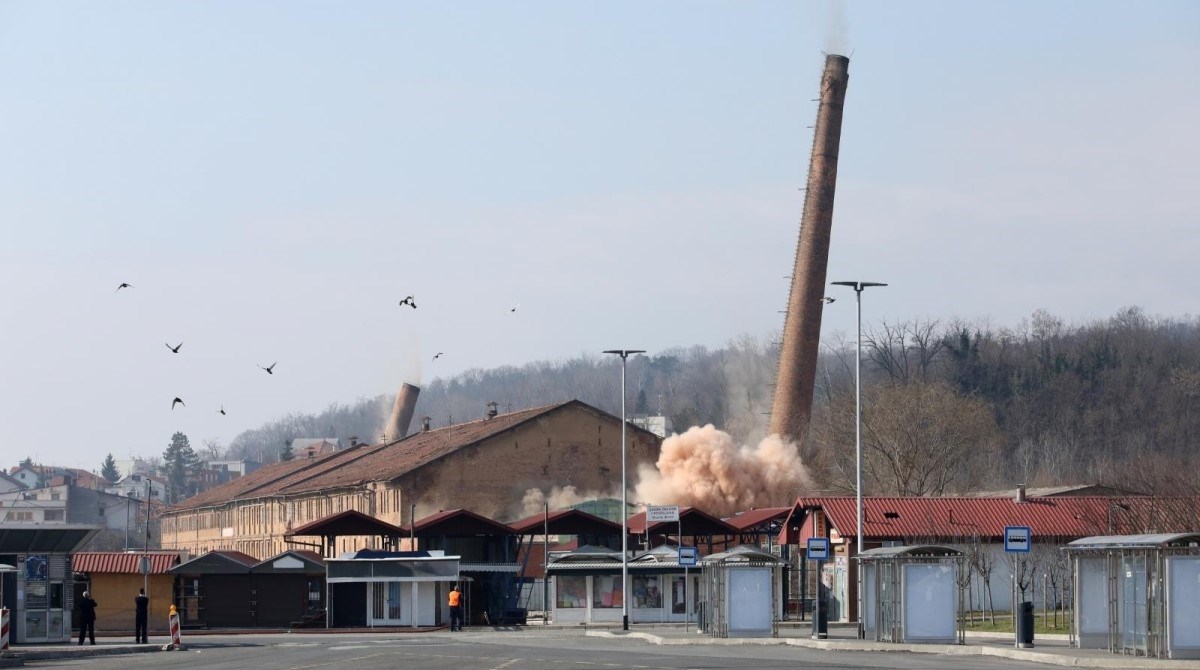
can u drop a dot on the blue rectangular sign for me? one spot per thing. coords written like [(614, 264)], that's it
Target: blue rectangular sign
[(818, 549), (688, 557), (1018, 539)]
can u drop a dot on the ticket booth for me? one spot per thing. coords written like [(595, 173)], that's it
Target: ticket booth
[(40, 592), (1138, 594)]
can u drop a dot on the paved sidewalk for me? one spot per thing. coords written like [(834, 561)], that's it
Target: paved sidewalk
[(1047, 651)]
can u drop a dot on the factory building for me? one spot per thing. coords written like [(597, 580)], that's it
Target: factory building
[(485, 466)]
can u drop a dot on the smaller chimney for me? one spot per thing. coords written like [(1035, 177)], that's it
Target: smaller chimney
[(425, 423), (1020, 493), (354, 440), (491, 409)]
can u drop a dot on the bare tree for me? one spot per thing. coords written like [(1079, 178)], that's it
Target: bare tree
[(918, 439), (211, 450), (984, 562), (1024, 568), (907, 350)]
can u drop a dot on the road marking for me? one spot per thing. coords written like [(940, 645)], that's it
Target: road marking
[(339, 661), (506, 664)]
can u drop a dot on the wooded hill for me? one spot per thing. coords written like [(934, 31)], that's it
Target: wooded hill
[(948, 406)]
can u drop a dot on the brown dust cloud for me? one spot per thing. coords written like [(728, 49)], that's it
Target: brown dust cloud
[(705, 467)]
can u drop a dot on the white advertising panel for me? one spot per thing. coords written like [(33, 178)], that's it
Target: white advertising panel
[(1183, 596), (1093, 598), (930, 608), (749, 601)]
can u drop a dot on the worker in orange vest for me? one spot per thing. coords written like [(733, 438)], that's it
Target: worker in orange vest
[(455, 609)]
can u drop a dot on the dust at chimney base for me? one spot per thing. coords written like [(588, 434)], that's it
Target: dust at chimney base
[(402, 412)]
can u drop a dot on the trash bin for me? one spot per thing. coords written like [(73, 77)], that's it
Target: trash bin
[(1025, 625)]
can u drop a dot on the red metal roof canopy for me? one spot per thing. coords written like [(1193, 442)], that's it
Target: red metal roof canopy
[(121, 562), (346, 523), (457, 523), (566, 522), (695, 522)]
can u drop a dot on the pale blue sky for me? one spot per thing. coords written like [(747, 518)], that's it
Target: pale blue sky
[(273, 176)]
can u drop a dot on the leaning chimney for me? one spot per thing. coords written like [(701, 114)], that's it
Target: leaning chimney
[(402, 412), (492, 410), (425, 423), (792, 406)]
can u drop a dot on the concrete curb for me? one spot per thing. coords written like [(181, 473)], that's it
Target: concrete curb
[(57, 654), (1046, 658)]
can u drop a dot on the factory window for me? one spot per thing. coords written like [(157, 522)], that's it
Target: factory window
[(53, 515)]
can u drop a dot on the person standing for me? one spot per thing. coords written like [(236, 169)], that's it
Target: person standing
[(87, 618), (141, 615), (455, 609)]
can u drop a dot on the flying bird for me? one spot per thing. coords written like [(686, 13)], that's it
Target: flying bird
[(222, 410), (174, 349), (123, 285), (270, 369), (177, 401), (514, 308), (409, 301), (437, 355), (828, 300)]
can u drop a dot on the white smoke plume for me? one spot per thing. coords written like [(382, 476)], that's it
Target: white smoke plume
[(837, 27), (706, 468)]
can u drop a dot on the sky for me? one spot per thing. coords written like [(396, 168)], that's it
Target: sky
[(273, 177)]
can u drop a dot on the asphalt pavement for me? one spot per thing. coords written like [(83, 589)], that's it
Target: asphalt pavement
[(536, 648)]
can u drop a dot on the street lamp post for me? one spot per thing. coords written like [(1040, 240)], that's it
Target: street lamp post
[(858, 287), (624, 354)]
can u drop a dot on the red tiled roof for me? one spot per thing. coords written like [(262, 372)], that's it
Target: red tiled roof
[(122, 562), (389, 461), (755, 517), (894, 518), (252, 484)]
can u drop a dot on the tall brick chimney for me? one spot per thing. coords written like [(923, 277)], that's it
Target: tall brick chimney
[(402, 412), (792, 407)]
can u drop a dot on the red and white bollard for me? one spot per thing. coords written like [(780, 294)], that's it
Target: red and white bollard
[(176, 643), (3, 629)]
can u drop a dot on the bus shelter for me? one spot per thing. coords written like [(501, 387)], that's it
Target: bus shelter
[(742, 591), (911, 594), (1138, 594)]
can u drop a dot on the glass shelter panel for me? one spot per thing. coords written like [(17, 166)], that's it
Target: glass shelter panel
[(930, 602), (750, 600), (1131, 610), (1183, 597)]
